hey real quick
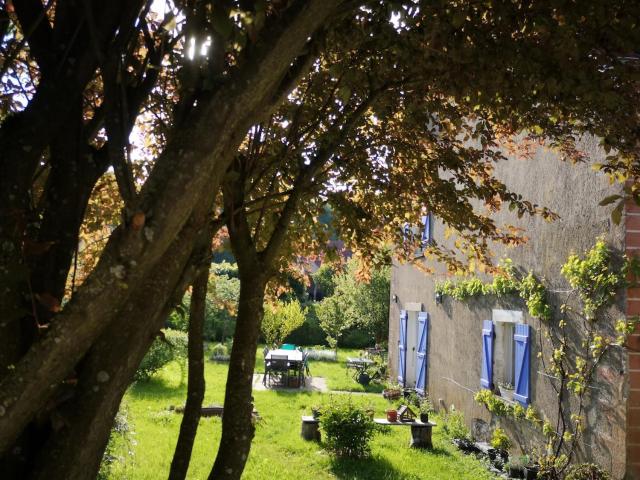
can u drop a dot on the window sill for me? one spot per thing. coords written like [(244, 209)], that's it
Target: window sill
[(507, 400)]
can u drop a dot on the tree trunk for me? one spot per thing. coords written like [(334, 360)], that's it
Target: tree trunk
[(237, 423), (192, 164), (84, 423), (196, 386)]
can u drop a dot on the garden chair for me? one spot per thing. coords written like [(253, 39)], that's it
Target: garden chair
[(265, 351), (295, 371), (278, 366), (305, 366)]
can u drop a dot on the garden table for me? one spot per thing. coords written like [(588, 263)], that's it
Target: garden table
[(292, 355), (420, 431), (359, 365), (294, 362)]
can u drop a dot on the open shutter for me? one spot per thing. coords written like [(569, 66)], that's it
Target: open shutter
[(421, 352), (522, 353), (486, 377), (426, 231), (402, 348)]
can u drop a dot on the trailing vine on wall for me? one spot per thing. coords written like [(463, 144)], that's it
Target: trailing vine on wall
[(595, 279)]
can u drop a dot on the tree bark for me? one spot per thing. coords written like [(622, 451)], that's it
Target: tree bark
[(196, 385), (194, 162), (84, 423), (237, 424)]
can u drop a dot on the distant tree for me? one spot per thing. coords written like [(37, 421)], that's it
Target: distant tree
[(324, 279), (365, 299), (280, 320), (334, 320)]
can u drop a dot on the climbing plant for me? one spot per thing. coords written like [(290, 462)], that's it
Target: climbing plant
[(594, 278)]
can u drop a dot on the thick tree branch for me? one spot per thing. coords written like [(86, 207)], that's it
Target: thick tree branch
[(32, 16), (192, 164)]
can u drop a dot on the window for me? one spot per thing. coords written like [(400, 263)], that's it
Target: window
[(503, 359), (505, 356)]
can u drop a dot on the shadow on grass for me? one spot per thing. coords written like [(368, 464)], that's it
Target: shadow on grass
[(156, 387), (372, 468)]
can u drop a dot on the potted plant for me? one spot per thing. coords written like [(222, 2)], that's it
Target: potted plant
[(370, 411), (501, 442), (425, 408), (315, 411), (515, 467), (392, 415), (506, 391), (364, 378), (392, 391), (531, 470)]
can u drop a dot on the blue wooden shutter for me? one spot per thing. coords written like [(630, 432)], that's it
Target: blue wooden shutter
[(421, 352), (486, 377), (426, 231), (406, 231), (402, 348), (521, 338)]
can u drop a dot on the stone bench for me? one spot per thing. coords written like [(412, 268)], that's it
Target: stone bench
[(420, 431)]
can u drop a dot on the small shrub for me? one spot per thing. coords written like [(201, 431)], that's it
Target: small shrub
[(500, 440), (586, 471), (348, 428), (323, 355), (454, 425), (171, 345), (120, 443), (163, 417), (219, 352)]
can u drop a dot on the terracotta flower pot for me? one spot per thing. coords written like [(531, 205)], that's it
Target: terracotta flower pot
[(392, 415)]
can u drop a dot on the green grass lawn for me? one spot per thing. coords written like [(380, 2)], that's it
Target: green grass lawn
[(278, 452), (336, 375)]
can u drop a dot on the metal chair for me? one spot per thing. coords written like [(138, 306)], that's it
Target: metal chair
[(265, 351), (305, 367), (278, 366)]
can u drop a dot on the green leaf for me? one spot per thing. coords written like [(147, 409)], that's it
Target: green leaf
[(608, 200), (616, 214)]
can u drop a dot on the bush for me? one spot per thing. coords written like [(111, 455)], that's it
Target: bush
[(323, 355), (356, 338), (500, 440), (454, 425), (348, 428), (280, 320), (168, 346), (219, 352), (309, 333), (586, 471)]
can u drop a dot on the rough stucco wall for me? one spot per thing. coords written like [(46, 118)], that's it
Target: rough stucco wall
[(572, 191)]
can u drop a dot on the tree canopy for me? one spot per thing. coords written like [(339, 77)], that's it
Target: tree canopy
[(141, 127)]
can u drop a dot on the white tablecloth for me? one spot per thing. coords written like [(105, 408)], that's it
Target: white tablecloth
[(292, 355)]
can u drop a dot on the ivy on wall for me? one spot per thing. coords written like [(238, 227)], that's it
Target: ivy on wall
[(595, 279)]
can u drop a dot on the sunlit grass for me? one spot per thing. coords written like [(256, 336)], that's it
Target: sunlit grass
[(278, 451)]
